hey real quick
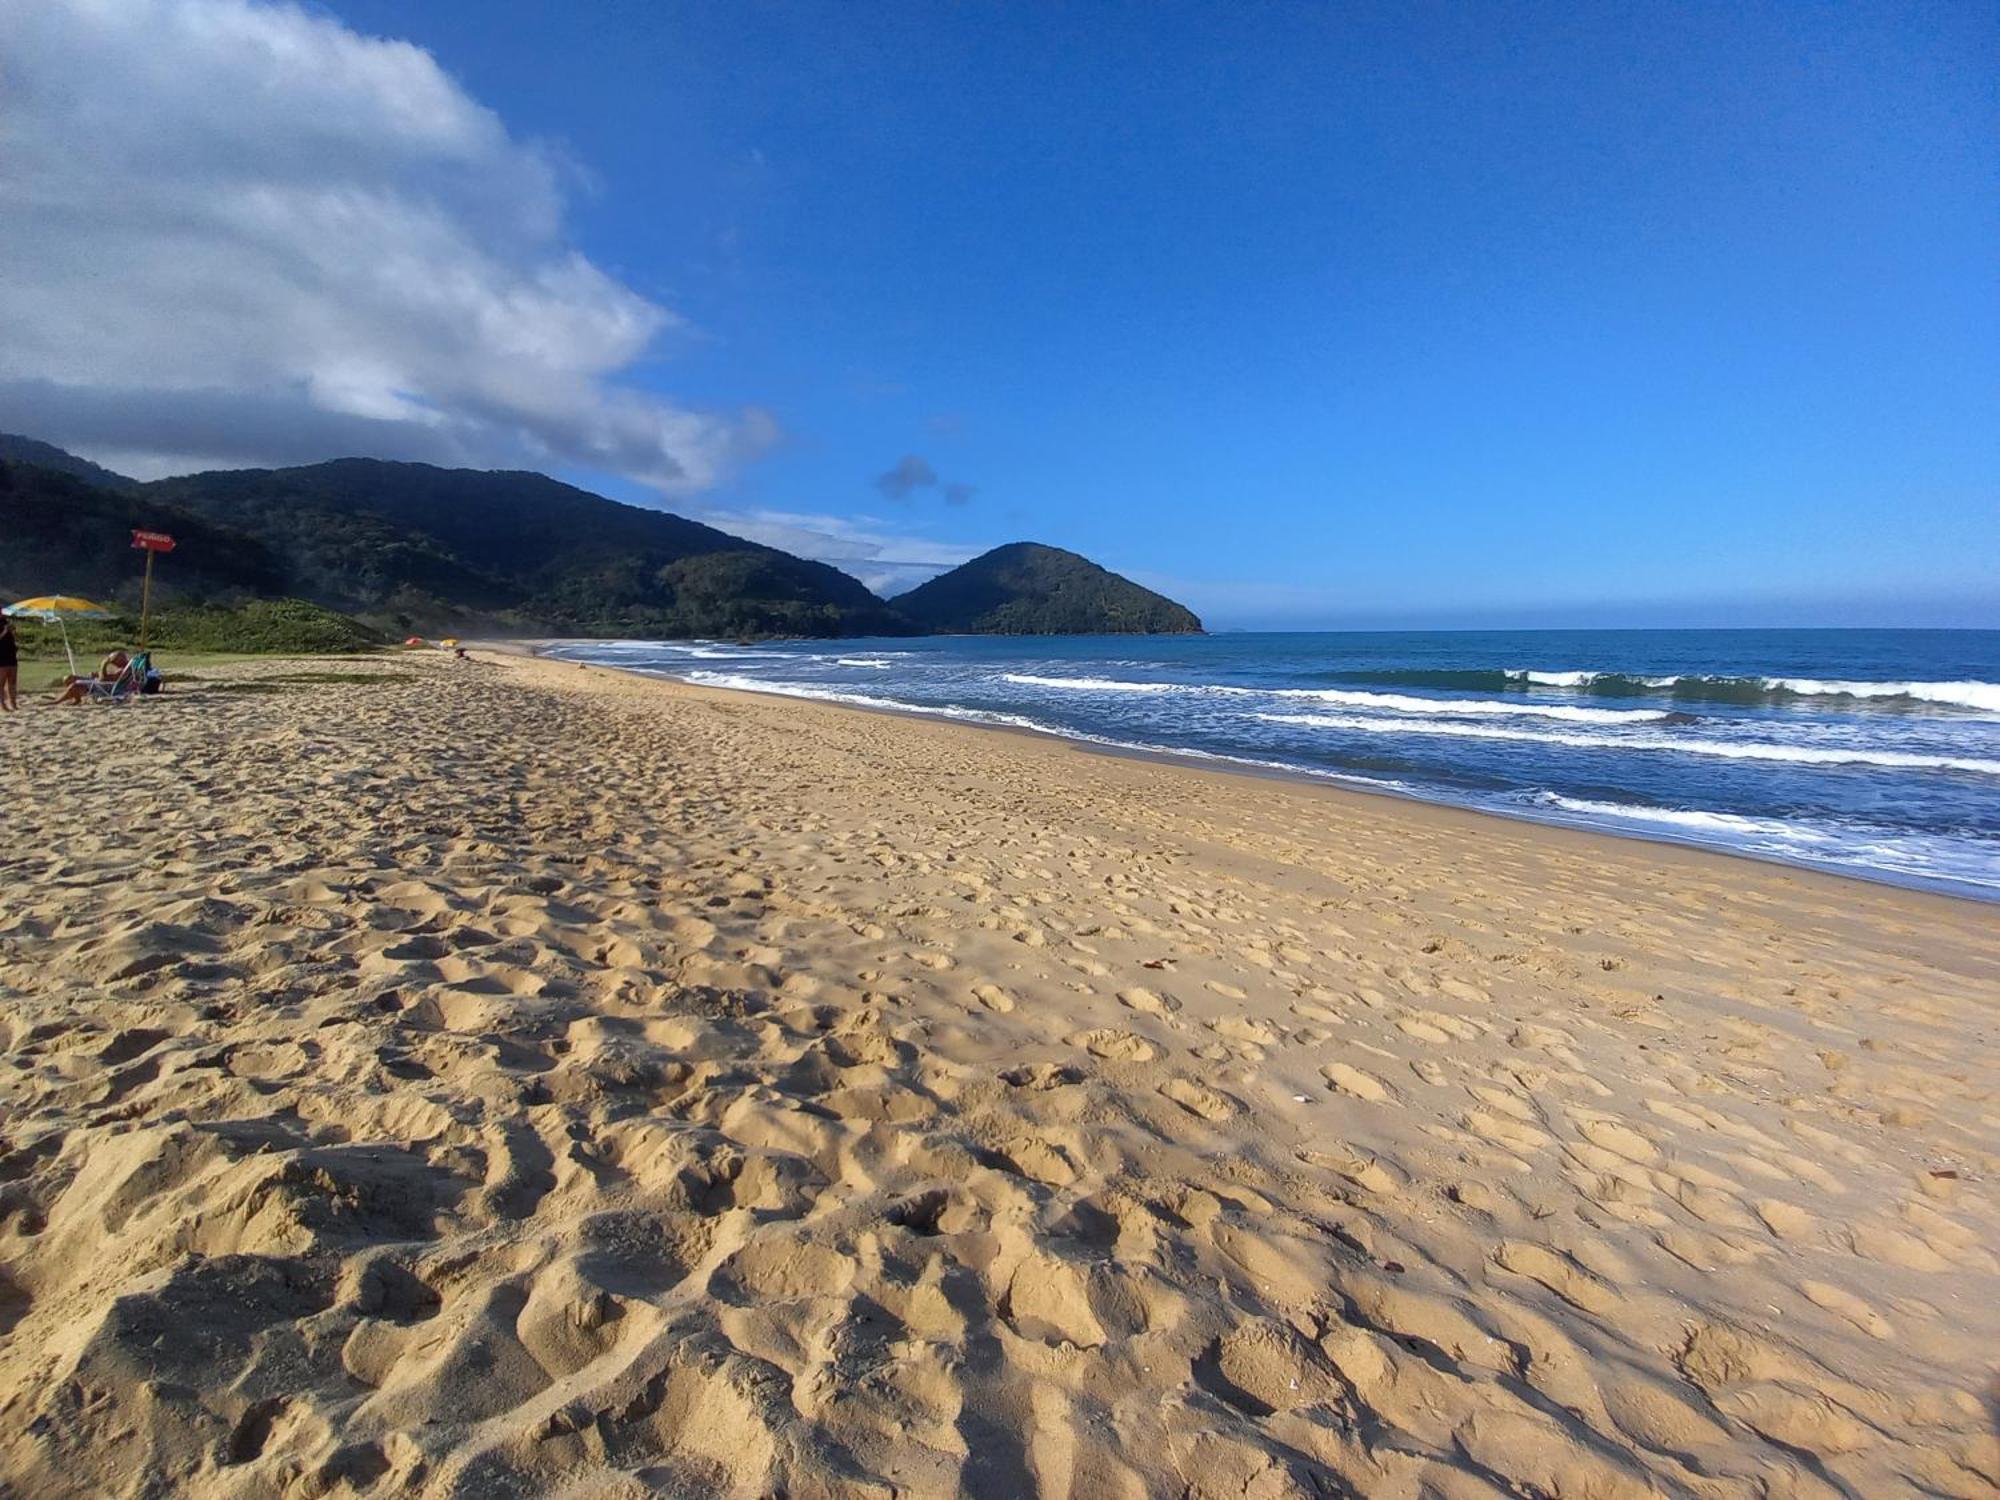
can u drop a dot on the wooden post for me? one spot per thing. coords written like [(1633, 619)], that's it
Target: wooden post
[(146, 599)]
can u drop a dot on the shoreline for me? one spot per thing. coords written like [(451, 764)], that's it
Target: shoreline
[(1219, 764)]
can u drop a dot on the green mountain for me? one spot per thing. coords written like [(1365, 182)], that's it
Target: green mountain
[(27, 450), (1029, 589), (63, 535), (412, 547), (409, 547)]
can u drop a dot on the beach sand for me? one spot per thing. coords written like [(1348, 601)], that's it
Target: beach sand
[(507, 1077)]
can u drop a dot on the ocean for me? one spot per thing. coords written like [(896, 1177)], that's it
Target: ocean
[(1867, 752)]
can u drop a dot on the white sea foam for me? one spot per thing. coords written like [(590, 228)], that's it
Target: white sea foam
[(1730, 825), (1398, 703), (1969, 693), (1930, 858), (863, 661), (1095, 684), (1980, 695), (1557, 679), (859, 700), (1821, 755), (699, 650), (1401, 703), (1018, 721)]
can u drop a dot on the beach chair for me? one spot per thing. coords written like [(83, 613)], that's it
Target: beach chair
[(128, 685)]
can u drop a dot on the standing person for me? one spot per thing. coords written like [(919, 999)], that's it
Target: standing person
[(10, 665)]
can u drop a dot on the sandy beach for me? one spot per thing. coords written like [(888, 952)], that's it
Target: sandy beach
[(511, 1078)]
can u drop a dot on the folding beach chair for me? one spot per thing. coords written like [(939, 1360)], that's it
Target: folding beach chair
[(128, 684)]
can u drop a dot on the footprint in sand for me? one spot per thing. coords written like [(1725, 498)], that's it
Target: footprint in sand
[(1242, 1029), (1424, 1028), (1614, 1137), (1786, 1220), (1504, 1131), (1849, 1306), (1892, 1247), (1197, 1099), (1360, 1170), (1559, 1274), (1357, 1084), (1147, 1003), (1115, 1046), (1506, 1102), (993, 997)]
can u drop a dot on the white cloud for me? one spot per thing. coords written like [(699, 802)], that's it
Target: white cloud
[(885, 561), (235, 232)]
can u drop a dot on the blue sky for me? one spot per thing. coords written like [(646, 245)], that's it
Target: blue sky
[(1309, 314)]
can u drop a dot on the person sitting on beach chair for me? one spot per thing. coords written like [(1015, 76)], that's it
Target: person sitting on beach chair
[(120, 678)]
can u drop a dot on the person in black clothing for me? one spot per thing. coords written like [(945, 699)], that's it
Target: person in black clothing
[(10, 665)]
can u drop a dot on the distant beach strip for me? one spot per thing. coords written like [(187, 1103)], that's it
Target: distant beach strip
[(1870, 753)]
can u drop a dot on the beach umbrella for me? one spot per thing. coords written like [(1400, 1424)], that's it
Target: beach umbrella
[(415, 640), (450, 640), (58, 610)]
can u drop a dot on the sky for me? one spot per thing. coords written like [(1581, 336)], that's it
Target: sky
[(1309, 315)]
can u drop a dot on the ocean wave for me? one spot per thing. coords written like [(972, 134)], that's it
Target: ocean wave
[(1968, 694), (740, 683), (1980, 695), (703, 650), (1929, 858), (1096, 684), (1820, 755), (1730, 825), (1475, 707), (1399, 703), (1960, 856), (1692, 688), (863, 661)]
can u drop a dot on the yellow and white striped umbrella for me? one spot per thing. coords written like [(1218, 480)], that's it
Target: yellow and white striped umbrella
[(57, 609), (51, 607)]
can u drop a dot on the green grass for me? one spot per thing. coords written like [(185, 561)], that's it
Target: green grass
[(256, 627)]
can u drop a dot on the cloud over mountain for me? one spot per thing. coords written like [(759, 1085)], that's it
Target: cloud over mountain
[(913, 472), (242, 233), (866, 547), (907, 475)]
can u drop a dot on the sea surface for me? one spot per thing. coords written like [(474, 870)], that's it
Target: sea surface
[(1869, 752)]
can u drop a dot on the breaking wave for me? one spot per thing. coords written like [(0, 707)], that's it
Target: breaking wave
[(1806, 755), (1093, 684), (1398, 703), (1972, 694), (1475, 707), (1844, 847)]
